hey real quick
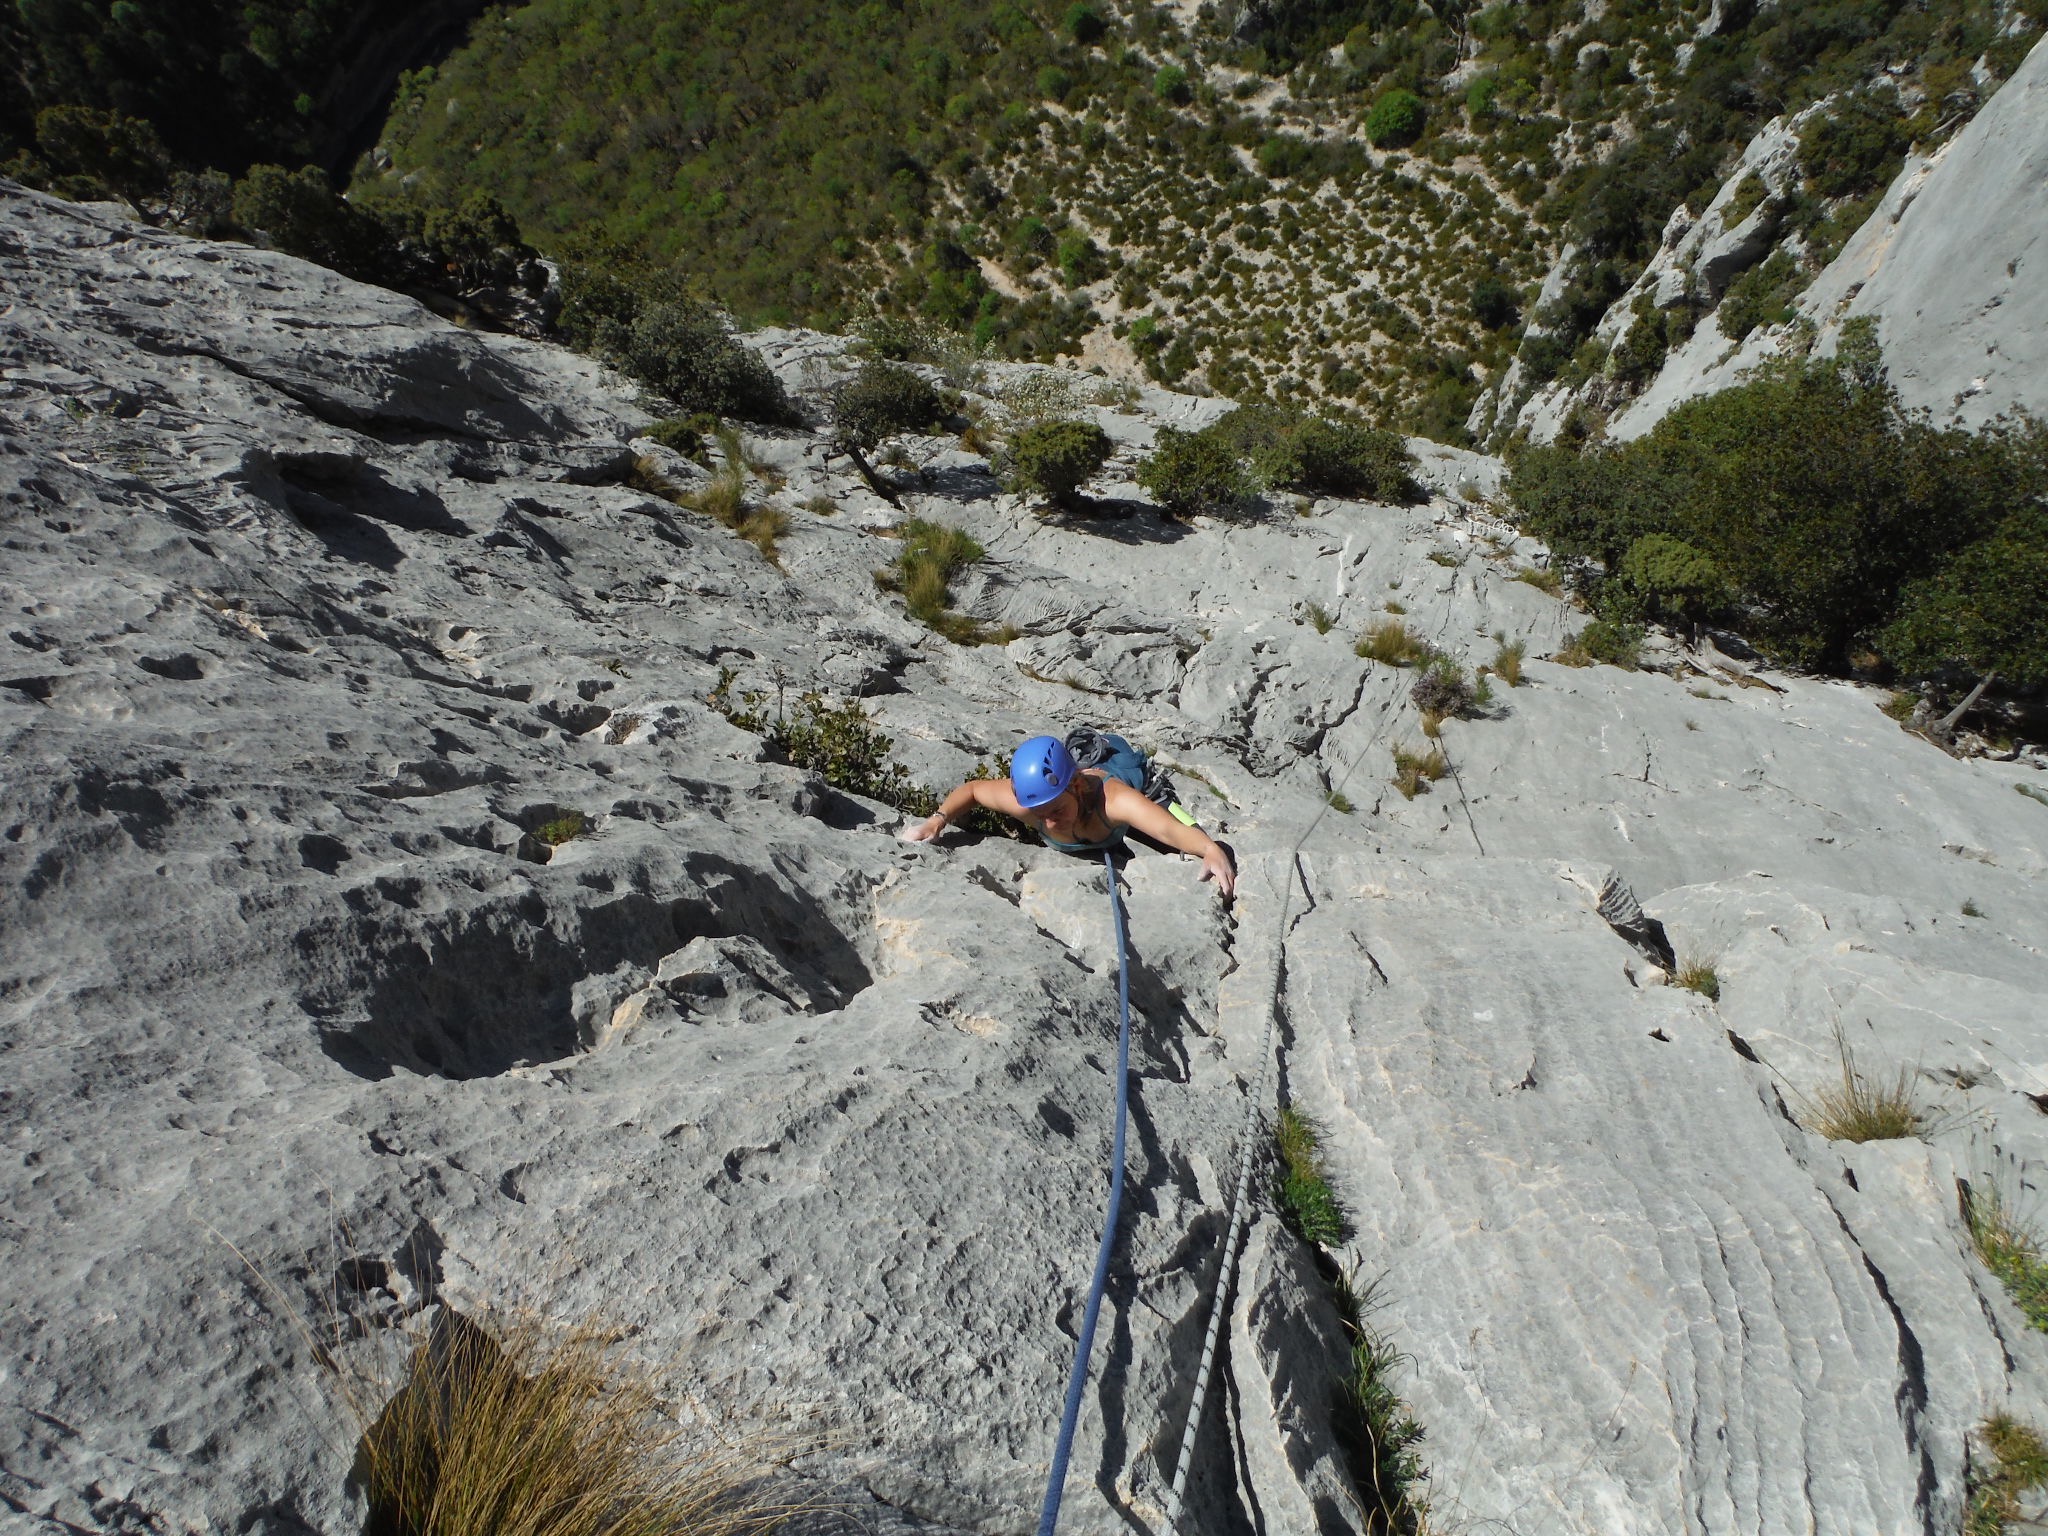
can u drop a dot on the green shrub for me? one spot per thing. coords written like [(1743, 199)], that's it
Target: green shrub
[(1607, 642), (1285, 155), (1055, 458), (2019, 1462), (298, 212), (1856, 147), (1289, 451), (1816, 494), (1302, 1189), (564, 828), (1761, 296), (838, 742), (1083, 23), (1673, 580), (1171, 84), (882, 400), (1395, 120), (678, 435), (686, 351), (96, 154), (1080, 259), (1192, 474), (1443, 689), (1054, 82), (1493, 304), (1985, 611), (1378, 1433)]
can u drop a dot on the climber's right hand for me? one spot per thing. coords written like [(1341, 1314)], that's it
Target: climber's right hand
[(928, 830)]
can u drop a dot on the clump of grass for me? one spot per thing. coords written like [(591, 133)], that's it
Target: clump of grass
[(1392, 642), (724, 500), (1542, 578), (2010, 1249), (2019, 1461), (1340, 803), (1444, 558), (821, 506), (1392, 606), (1414, 771), (1319, 617), (1374, 1426), (1507, 662), (923, 574), (1900, 706), (1970, 908), (1698, 975), (564, 828), (1301, 1188), (1863, 1108), (524, 1430)]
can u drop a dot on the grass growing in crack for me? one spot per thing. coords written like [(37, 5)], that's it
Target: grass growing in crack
[(1861, 1107), (1301, 1188), (1392, 642), (1543, 579), (2010, 1249), (519, 1429), (1372, 1423), (562, 829), (1340, 803), (1970, 908), (1319, 617), (723, 499), (1414, 771), (2019, 1460), (932, 554), (1507, 662), (1698, 975)]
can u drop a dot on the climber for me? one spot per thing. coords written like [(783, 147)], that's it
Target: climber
[(1082, 810)]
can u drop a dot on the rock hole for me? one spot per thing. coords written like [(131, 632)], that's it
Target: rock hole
[(182, 668)]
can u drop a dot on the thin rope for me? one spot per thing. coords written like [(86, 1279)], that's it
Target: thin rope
[(1077, 1379)]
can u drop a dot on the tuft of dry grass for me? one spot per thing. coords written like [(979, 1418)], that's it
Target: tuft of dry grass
[(2019, 1461), (514, 1428), (1864, 1108), (723, 499), (1507, 662), (1543, 579), (1433, 723), (1414, 770), (1392, 642)]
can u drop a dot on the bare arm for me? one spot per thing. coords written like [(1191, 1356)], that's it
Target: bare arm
[(1126, 807), (990, 794)]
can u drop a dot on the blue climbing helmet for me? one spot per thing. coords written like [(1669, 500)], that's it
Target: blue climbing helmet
[(1040, 771)]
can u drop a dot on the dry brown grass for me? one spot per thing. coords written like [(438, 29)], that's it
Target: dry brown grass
[(1507, 662), (1861, 1107), (1413, 770), (516, 1428), (1392, 642), (724, 500)]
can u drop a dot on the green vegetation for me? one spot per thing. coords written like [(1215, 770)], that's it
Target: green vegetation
[(562, 829), (1055, 458), (1285, 449), (1319, 618), (2010, 1249), (1374, 1425), (882, 400), (672, 342), (2019, 1461), (680, 435), (1543, 578), (932, 554), (1396, 119), (1340, 802), (839, 743), (1604, 642), (1443, 689), (1823, 516), (1697, 975), (723, 498), (1301, 1187), (1507, 662), (1194, 474)]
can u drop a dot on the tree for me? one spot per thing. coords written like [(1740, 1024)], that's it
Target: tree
[(1983, 616), (1396, 120), (877, 403)]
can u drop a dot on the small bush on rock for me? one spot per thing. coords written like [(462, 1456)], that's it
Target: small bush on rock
[(1443, 689), (1606, 642), (1396, 120), (1055, 458), (1192, 474), (882, 400), (1673, 580), (687, 352)]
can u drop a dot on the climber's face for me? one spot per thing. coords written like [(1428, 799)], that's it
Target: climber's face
[(1059, 815)]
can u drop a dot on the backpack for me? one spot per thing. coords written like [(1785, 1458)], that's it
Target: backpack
[(1120, 760)]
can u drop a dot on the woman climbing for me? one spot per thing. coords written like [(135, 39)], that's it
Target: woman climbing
[(1080, 810)]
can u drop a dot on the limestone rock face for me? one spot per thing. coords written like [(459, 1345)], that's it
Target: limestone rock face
[(326, 620)]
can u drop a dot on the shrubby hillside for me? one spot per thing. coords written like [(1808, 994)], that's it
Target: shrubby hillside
[(1346, 201)]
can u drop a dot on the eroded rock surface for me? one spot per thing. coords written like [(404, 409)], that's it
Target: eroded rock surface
[(320, 611)]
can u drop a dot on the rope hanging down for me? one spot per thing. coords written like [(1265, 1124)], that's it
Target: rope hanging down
[(1077, 1379)]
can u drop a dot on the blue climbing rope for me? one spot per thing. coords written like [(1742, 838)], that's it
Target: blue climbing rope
[(1077, 1379)]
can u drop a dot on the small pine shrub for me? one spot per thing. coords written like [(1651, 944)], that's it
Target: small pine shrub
[(1056, 458), (1191, 474)]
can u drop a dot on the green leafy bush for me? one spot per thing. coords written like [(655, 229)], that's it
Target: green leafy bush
[(1854, 148), (1395, 120), (1083, 23), (1816, 495), (1193, 474), (297, 211), (1494, 304), (686, 351), (1985, 611), (678, 435), (1608, 642), (1673, 580), (882, 400), (1055, 458), (1171, 84), (840, 743), (1080, 259), (1761, 296), (1287, 450)]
